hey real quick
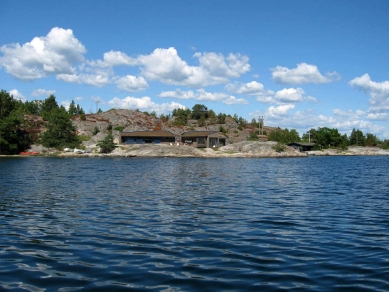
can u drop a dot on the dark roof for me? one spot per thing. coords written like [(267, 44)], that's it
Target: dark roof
[(197, 133), (302, 144), (217, 135), (161, 133)]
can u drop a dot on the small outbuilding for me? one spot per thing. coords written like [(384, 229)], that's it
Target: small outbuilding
[(302, 146), (147, 137), (204, 139)]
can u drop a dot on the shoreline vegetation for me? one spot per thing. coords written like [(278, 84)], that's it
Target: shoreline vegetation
[(44, 127), (244, 149)]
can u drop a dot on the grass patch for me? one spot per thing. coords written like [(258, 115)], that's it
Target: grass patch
[(84, 138)]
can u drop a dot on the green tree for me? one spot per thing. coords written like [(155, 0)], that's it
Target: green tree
[(284, 136), (48, 105), (357, 138), (221, 118), (60, 131), (107, 145), (371, 140), (212, 117), (13, 139), (75, 110), (33, 107), (202, 121), (181, 116), (198, 111)]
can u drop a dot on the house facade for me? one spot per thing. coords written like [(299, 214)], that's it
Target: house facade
[(147, 137), (203, 139), (302, 146), (198, 139)]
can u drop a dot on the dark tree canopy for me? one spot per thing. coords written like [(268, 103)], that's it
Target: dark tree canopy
[(60, 131), (13, 139), (107, 145), (198, 111)]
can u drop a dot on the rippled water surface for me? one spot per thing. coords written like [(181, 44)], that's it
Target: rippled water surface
[(313, 224)]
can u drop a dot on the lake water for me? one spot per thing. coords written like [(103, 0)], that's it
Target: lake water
[(193, 224)]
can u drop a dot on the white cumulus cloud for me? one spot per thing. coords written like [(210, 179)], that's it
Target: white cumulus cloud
[(289, 95), (217, 65), (303, 73), (144, 103), (378, 92), (17, 95), (131, 83), (117, 58), (202, 95), (55, 53), (250, 88), (280, 110), (44, 92), (378, 116), (166, 66)]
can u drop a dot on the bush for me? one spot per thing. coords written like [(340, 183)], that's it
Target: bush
[(222, 130), (107, 145), (96, 131), (279, 147), (119, 128)]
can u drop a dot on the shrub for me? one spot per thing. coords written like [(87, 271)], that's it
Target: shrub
[(119, 128), (96, 131), (279, 147), (107, 145)]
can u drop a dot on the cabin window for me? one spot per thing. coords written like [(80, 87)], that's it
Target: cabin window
[(201, 141), (214, 142), (130, 141)]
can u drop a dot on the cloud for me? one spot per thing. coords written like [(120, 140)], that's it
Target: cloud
[(378, 116), (344, 121), (44, 92), (289, 95), (304, 73), (280, 110), (117, 58), (378, 92), (202, 95), (144, 103), (250, 88), (131, 83), (218, 66), (66, 104), (166, 66), (98, 80), (55, 53), (17, 95), (349, 114), (234, 100)]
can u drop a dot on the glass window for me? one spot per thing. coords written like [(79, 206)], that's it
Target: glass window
[(201, 141)]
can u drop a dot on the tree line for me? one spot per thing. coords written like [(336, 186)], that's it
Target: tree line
[(61, 133), (14, 125)]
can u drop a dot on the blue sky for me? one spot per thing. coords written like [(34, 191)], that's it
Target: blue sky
[(300, 64)]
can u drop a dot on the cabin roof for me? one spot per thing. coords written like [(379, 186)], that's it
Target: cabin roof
[(302, 144), (197, 134), (160, 133)]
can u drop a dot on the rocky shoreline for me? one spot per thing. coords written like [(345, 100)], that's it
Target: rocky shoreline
[(248, 149)]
